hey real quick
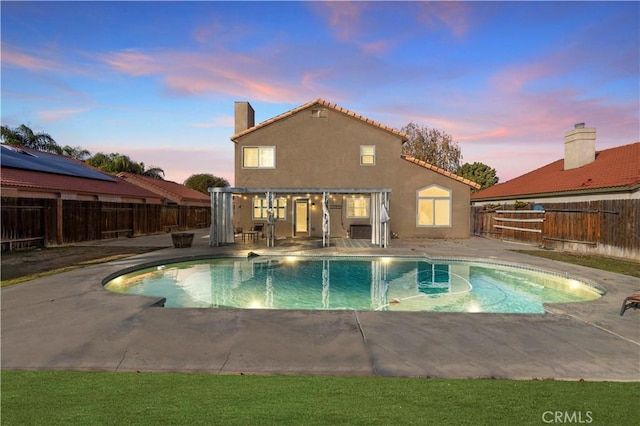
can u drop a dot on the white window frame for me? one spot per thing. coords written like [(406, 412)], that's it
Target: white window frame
[(351, 208), (259, 204), (436, 203), (261, 150), (364, 154)]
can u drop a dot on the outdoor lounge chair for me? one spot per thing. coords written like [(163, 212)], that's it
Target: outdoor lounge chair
[(631, 302)]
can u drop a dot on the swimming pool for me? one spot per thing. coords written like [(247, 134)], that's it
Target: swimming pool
[(354, 283)]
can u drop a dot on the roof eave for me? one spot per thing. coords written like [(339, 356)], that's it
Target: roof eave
[(577, 192), (441, 171)]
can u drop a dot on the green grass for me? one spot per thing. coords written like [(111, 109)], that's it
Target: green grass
[(25, 278), (51, 398), (619, 266)]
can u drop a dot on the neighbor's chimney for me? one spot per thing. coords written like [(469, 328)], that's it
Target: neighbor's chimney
[(244, 116), (579, 146)]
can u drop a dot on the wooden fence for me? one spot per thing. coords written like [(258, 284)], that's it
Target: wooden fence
[(606, 227), (35, 222)]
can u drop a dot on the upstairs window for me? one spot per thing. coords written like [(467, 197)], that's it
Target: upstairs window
[(434, 206), (259, 157), (367, 155)]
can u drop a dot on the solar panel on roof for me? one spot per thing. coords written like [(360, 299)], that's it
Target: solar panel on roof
[(38, 161)]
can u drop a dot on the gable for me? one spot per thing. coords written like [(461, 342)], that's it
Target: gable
[(319, 114)]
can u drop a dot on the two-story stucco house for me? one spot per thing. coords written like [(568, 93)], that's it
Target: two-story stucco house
[(323, 171)]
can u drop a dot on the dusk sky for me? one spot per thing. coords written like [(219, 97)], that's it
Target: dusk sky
[(157, 80)]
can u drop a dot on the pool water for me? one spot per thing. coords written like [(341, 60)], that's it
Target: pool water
[(369, 283)]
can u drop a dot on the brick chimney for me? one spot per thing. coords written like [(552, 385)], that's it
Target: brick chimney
[(579, 146), (244, 116)]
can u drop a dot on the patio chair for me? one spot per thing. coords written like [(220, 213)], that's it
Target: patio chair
[(259, 228), (630, 302)]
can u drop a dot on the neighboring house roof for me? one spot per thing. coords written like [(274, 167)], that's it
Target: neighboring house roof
[(614, 170), (51, 182), (171, 190), (441, 171), (33, 170), (324, 103)]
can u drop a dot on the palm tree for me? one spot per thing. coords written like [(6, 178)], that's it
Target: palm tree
[(115, 163), (77, 152), (154, 172), (24, 137)]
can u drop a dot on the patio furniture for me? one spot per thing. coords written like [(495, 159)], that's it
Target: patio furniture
[(249, 235), (259, 229), (630, 302)]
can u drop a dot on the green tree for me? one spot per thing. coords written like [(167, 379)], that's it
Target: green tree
[(201, 182), (153, 171), (479, 173), (432, 146), (115, 163), (24, 137), (77, 152)]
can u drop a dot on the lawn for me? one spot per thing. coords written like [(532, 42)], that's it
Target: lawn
[(619, 266), (24, 265), (119, 398)]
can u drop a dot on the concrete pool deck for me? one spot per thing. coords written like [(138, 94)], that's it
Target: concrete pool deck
[(70, 322)]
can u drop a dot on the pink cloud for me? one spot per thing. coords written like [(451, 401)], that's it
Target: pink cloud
[(59, 115), (453, 14), (11, 56), (133, 63), (223, 72), (343, 17), (220, 121), (204, 33), (497, 133), (375, 47), (348, 22)]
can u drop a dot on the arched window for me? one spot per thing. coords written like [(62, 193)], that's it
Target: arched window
[(434, 206)]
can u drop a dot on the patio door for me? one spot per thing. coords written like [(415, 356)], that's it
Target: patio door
[(301, 226)]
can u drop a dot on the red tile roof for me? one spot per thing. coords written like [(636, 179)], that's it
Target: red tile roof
[(322, 102), (615, 168), (51, 182), (441, 171), (166, 188)]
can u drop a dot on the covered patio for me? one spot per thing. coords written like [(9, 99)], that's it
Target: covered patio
[(223, 225)]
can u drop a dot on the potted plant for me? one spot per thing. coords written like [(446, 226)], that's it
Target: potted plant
[(182, 239)]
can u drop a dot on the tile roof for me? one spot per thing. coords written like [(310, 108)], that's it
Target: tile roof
[(166, 188), (441, 171), (322, 102), (614, 168), (51, 182)]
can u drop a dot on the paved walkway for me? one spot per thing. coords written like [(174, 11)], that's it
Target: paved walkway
[(69, 322)]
